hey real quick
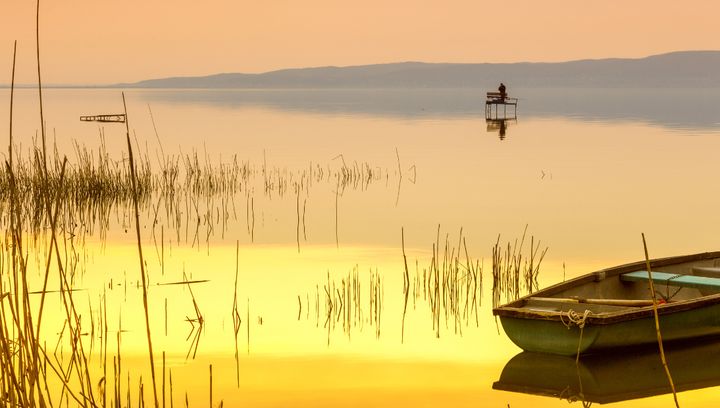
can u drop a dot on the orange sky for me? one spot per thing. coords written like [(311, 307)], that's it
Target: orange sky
[(100, 41)]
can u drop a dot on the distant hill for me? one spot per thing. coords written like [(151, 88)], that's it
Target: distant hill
[(692, 69)]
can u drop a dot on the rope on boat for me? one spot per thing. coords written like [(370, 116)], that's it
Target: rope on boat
[(666, 298), (576, 319)]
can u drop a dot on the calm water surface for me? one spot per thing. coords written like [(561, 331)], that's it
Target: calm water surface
[(584, 174)]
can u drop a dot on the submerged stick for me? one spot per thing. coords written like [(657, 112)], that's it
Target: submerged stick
[(657, 324)]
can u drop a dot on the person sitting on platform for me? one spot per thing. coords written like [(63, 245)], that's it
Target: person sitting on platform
[(502, 88)]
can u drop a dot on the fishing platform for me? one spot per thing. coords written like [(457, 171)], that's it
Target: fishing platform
[(498, 120), (497, 99)]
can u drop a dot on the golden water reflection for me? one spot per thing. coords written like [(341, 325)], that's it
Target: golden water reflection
[(285, 360), (586, 189)]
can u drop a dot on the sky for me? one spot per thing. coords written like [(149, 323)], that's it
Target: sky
[(106, 41)]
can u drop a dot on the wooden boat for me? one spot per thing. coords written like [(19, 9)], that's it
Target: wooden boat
[(612, 308), (614, 377)]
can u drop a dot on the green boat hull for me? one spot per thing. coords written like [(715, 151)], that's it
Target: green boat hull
[(567, 338)]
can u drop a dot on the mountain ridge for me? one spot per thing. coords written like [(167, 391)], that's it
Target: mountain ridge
[(675, 69)]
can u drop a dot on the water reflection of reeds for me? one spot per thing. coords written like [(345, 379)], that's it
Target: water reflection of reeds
[(345, 303), (451, 285)]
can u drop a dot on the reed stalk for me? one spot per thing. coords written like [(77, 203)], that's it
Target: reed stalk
[(406, 284), (140, 254), (163, 380), (40, 95), (514, 273), (397, 155), (12, 95), (297, 226), (236, 314), (171, 389)]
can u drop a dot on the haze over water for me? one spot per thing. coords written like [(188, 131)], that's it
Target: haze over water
[(586, 176)]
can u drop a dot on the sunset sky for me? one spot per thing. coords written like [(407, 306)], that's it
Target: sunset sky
[(96, 42)]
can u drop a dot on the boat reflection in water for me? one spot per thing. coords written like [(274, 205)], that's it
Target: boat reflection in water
[(607, 378)]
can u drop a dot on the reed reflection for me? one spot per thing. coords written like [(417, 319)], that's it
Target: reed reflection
[(451, 286), (346, 303)]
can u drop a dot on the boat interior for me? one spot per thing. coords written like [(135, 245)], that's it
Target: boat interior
[(609, 291)]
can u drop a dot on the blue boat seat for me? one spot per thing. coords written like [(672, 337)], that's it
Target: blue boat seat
[(671, 279)]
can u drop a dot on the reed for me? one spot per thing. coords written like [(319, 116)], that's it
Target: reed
[(343, 306), (40, 94), (515, 273), (237, 321), (41, 196), (163, 379), (400, 177), (140, 255), (26, 367), (12, 97), (48, 199), (406, 283), (196, 323), (171, 388), (96, 185), (451, 285)]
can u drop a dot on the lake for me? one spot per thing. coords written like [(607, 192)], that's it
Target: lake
[(295, 213)]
